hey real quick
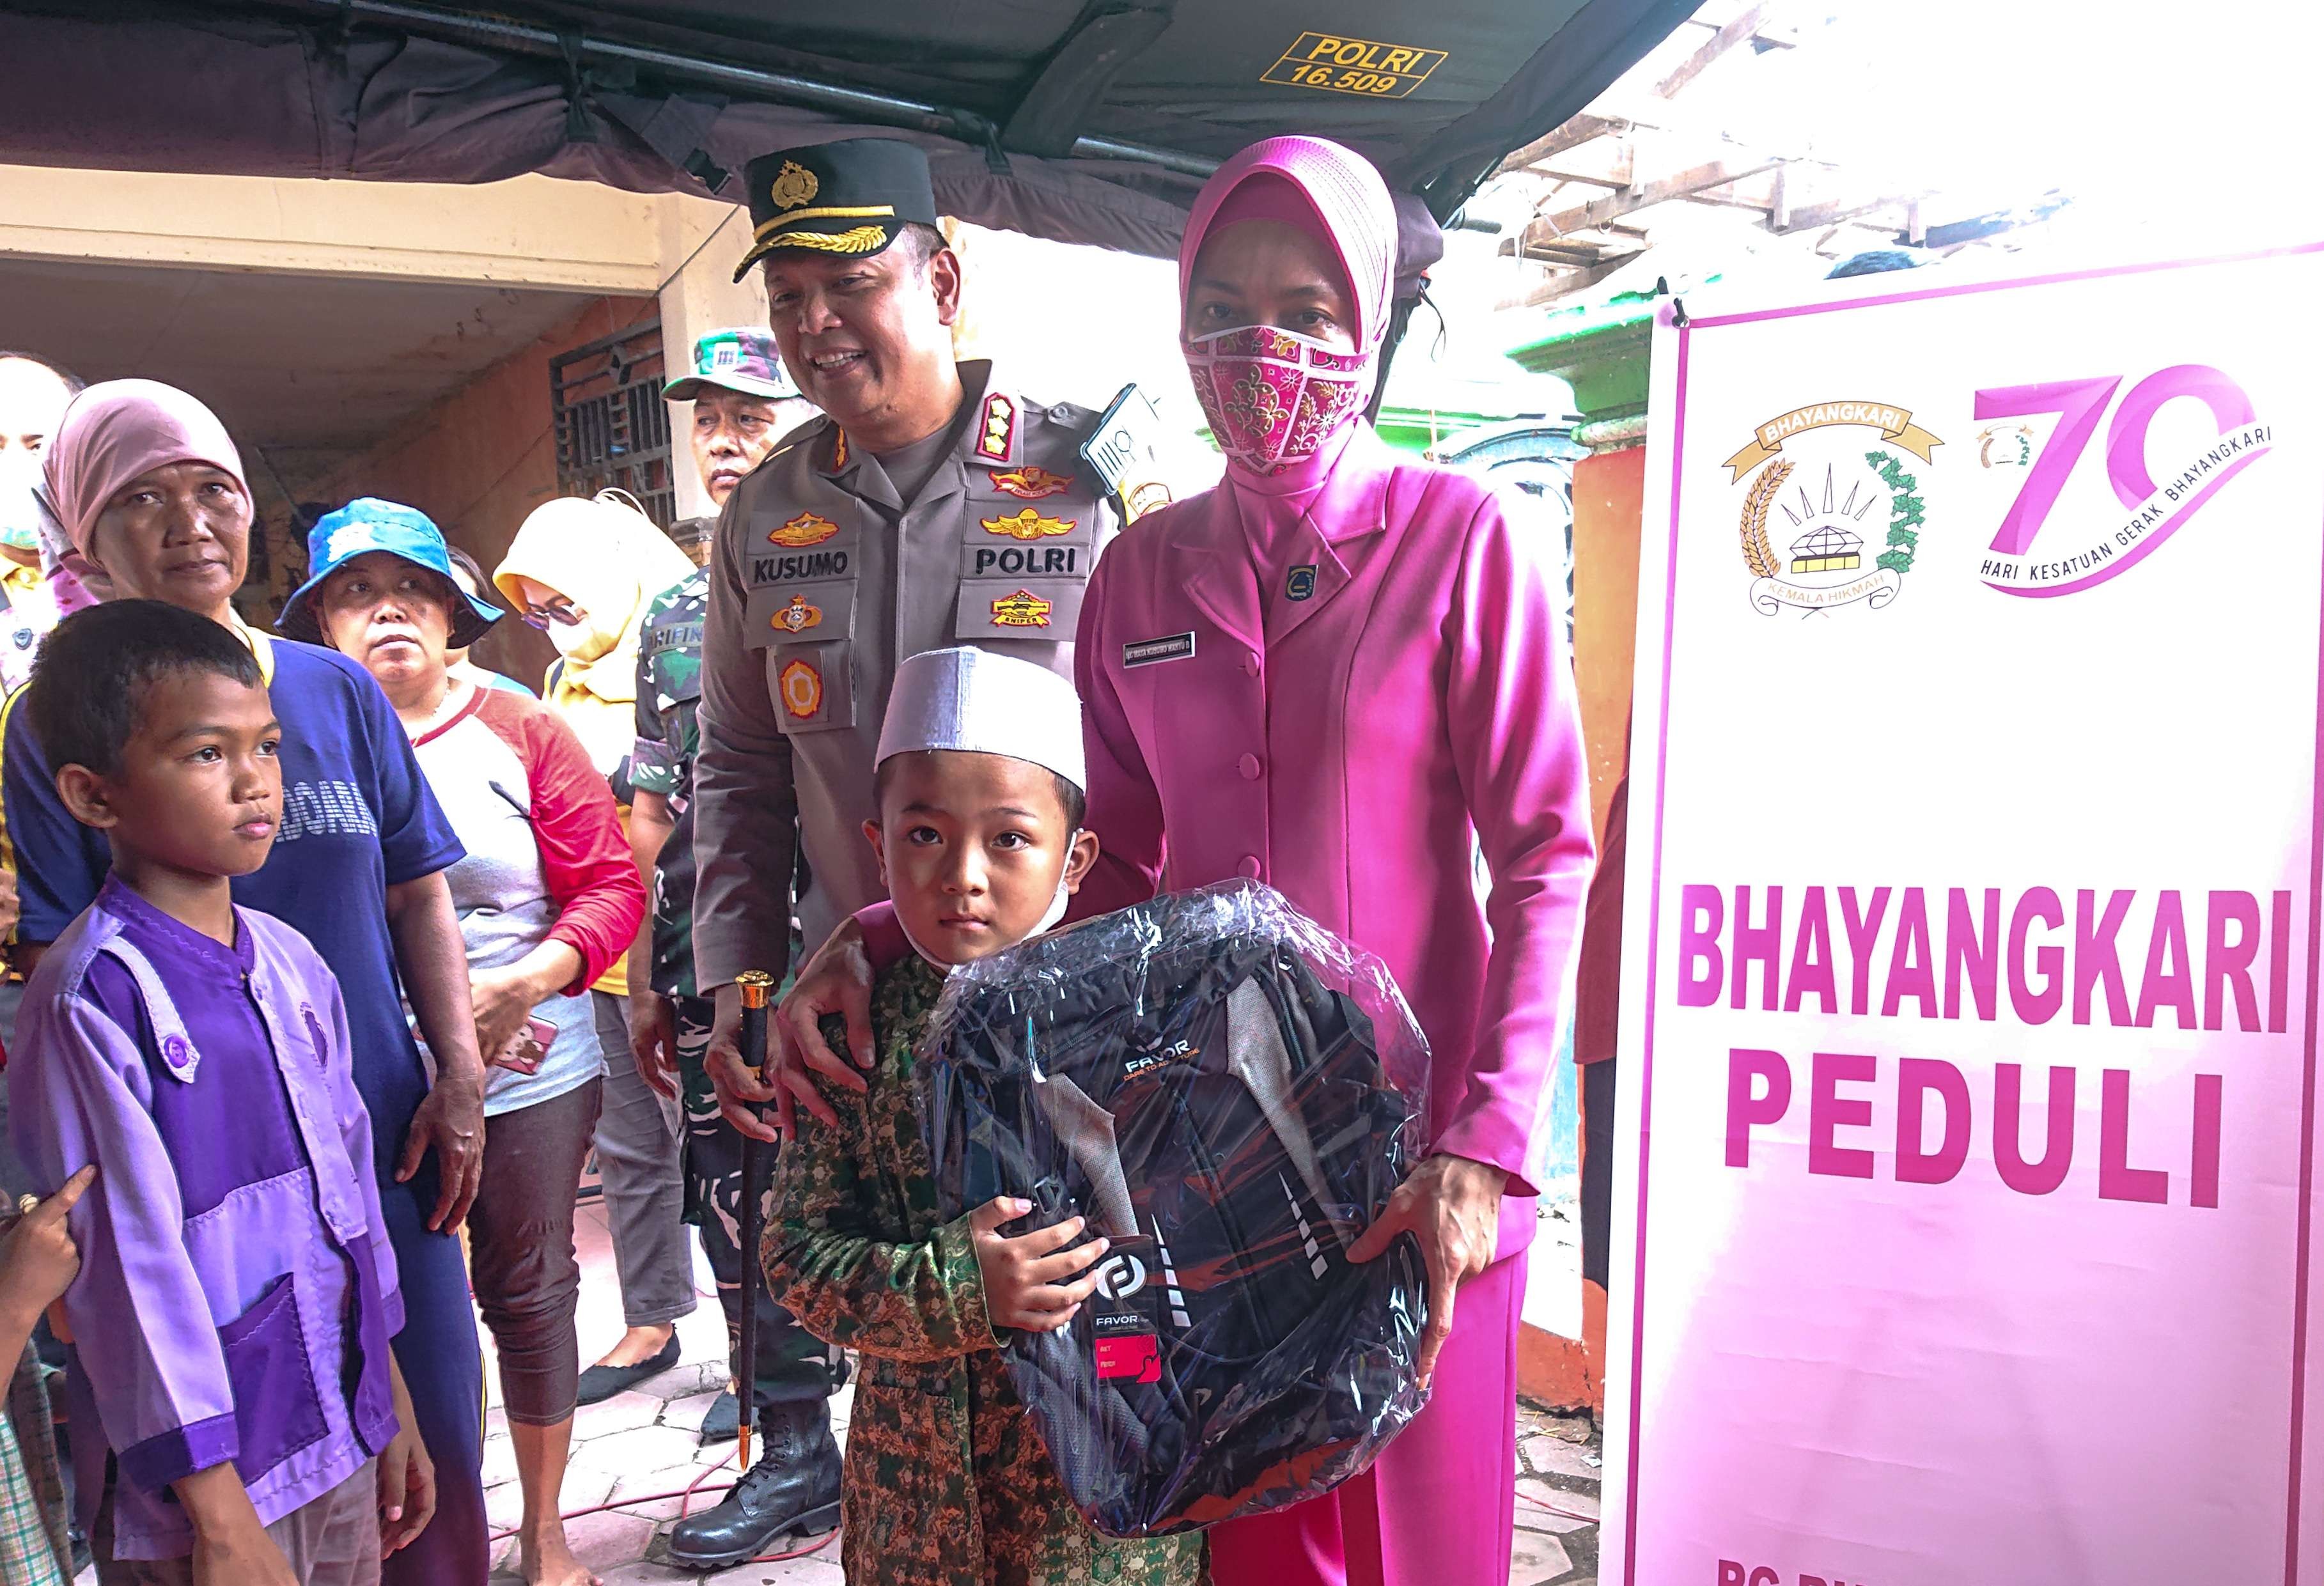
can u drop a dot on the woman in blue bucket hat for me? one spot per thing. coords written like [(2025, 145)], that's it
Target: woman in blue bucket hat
[(548, 899)]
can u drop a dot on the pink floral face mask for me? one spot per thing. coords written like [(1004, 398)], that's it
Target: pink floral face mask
[(1274, 397)]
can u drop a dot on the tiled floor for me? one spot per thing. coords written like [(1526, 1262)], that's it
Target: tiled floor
[(1557, 1502), (642, 1443), (638, 1445), (638, 1448)]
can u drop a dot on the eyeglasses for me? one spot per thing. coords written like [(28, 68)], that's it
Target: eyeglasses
[(560, 611)]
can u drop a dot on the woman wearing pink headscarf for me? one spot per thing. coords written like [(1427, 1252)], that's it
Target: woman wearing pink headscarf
[(150, 487), (1342, 672), (1377, 679)]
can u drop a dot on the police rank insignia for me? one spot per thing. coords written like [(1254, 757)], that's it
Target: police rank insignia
[(1301, 584), (1029, 483), (802, 690), (794, 185), (798, 616), (1023, 609), (1028, 524), (802, 530), (993, 442), (839, 452)]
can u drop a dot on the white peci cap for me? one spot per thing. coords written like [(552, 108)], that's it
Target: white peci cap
[(983, 703)]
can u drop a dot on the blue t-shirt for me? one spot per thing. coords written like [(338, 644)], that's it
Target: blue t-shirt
[(357, 818)]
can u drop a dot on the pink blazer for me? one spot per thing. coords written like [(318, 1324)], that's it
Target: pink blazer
[(1349, 748)]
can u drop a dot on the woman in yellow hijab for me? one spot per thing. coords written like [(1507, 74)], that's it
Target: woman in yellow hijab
[(583, 572), (586, 572)]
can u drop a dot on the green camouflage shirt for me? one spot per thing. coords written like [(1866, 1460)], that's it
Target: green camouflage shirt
[(669, 687), (947, 1483)]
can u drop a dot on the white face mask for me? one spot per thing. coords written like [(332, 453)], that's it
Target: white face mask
[(1056, 911), (569, 636)]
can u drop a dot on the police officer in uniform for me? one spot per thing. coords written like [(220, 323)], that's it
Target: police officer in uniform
[(932, 505)]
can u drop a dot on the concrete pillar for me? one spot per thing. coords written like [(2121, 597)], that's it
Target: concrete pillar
[(701, 243)]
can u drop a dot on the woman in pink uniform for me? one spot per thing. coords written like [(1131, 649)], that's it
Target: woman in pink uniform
[(1328, 673), (1340, 672)]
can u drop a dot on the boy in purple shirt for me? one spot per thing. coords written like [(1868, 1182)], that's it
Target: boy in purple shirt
[(237, 1414)]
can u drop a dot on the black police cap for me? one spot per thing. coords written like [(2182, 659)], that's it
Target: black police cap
[(852, 198)]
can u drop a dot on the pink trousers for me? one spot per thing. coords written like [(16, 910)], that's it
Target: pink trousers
[(1439, 1506)]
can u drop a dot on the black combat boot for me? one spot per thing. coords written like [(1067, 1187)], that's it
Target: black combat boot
[(793, 1490)]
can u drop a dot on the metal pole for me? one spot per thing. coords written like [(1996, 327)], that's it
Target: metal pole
[(885, 109), (757, 985)]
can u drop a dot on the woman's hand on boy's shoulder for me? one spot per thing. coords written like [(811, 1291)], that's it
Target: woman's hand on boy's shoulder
[(1030, 1281)]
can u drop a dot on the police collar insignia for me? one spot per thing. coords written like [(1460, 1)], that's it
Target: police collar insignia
[(996, 440)]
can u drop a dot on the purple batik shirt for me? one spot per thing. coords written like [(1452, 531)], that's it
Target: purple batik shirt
[(236, 1290)]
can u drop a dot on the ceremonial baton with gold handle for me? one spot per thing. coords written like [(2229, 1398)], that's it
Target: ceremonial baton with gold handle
[(757, 986)]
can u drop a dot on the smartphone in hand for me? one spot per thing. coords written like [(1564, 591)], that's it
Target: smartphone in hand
[(530, 1049)]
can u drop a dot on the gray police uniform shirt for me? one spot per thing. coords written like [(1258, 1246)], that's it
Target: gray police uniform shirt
[(821, 583)]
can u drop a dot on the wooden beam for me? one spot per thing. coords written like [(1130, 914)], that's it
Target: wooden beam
[(1743, 27), (1814, 217), (1574, 255), (1571, 133), (1563, 284), (1619, 170), (1639, 195)]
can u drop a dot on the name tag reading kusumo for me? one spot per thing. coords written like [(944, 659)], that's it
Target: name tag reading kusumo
[(1146, 652)]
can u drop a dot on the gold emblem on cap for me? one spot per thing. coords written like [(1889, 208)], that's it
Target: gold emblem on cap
[(1028, 524), (794, 185), (857, 239)]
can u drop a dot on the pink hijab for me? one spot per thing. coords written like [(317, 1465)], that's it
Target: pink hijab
[(1333, 194), (118, 430)]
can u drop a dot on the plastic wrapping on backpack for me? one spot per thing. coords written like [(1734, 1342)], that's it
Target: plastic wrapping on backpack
[(1229, 1094)]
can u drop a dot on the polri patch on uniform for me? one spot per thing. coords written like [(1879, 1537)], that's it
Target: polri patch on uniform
[(1146, 652), (1030, 484), (798, 616), (1028, 524), (1301, 584), (802, 690), (1023, 609), (802, 532)]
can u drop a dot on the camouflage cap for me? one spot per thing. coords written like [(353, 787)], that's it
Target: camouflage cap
[(741, 359)]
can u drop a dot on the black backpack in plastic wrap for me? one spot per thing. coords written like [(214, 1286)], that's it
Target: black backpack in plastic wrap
[(1224, 1090)]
